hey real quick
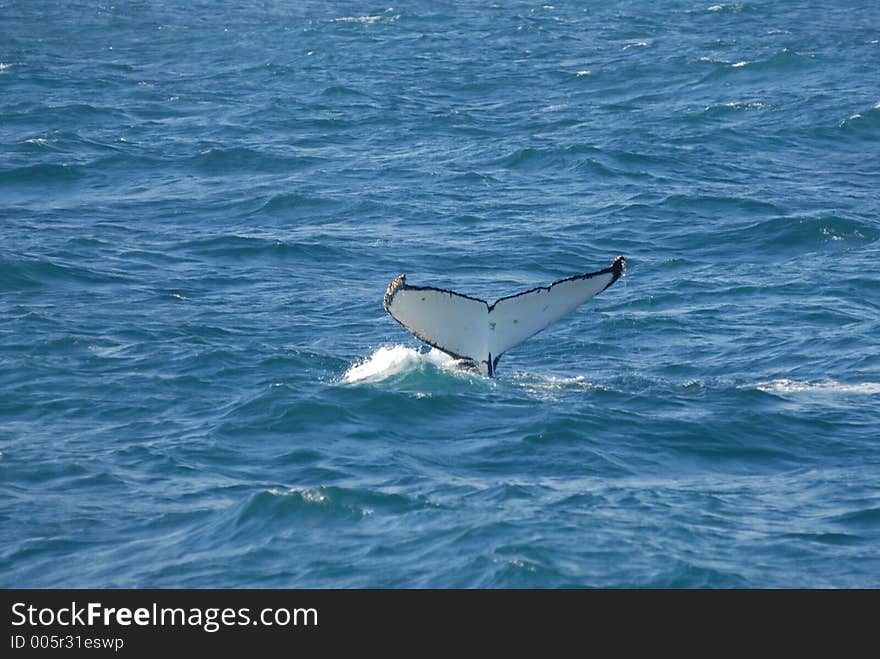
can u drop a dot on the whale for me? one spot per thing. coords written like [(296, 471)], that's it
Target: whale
[(478, 333)]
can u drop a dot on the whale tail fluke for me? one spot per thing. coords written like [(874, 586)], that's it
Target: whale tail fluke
[(472, 329)]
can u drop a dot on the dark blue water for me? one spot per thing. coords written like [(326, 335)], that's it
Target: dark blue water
[(201, 206)]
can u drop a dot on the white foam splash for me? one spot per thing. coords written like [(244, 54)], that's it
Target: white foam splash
[(366, 20), (550, 387), (739, 65), (740, 105), (3, 66), (388, 361), (784, 385), (358, 19)]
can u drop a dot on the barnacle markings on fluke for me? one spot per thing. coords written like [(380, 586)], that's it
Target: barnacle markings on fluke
[(471, 329)]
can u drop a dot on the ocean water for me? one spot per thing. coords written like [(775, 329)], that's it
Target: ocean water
[(201, 205)]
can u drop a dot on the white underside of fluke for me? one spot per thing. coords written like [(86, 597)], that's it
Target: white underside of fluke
[(470, 328)]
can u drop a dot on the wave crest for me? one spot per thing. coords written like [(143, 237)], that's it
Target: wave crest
[(787, 386)]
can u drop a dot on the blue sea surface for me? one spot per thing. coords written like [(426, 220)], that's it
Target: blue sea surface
[(202, 204)]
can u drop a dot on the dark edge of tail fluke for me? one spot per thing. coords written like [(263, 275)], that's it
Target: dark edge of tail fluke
[(617, 269), (391, 290)]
